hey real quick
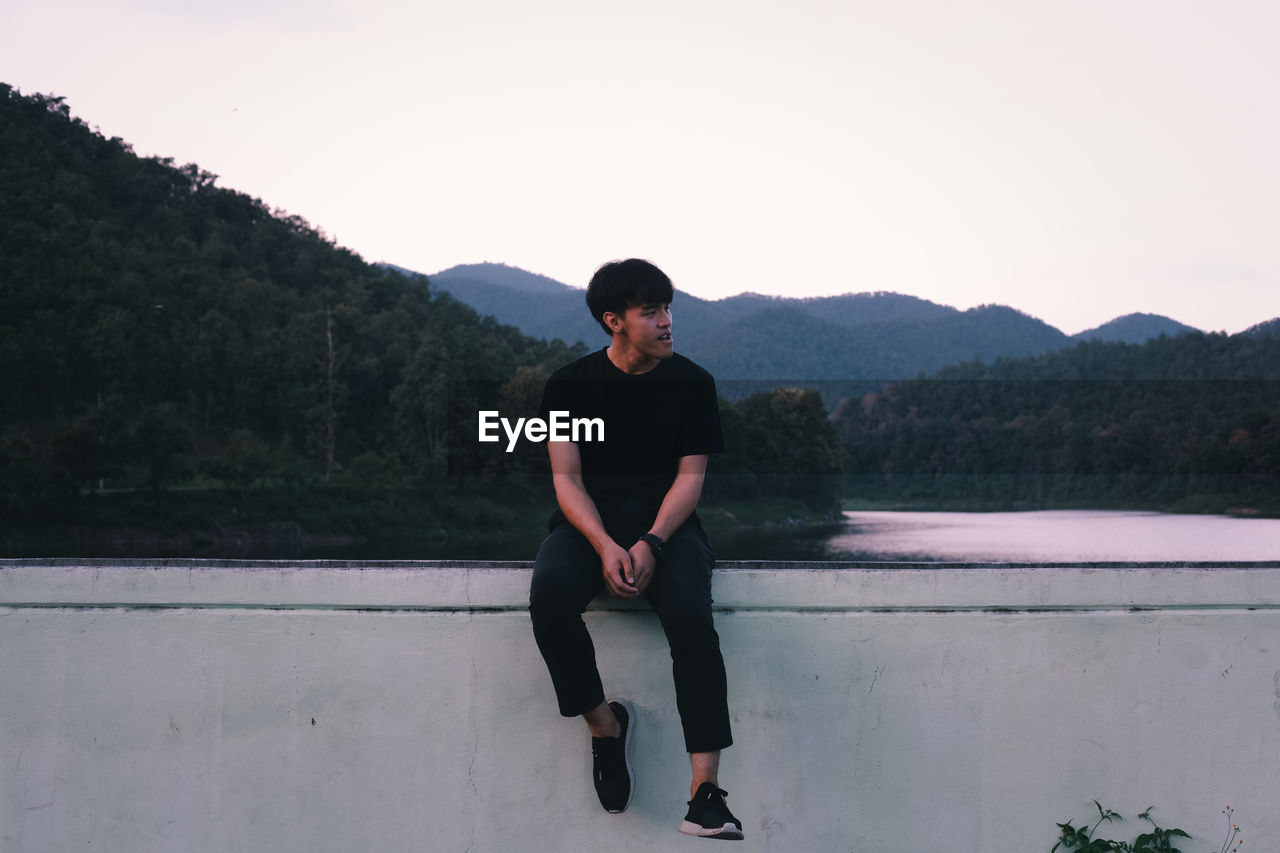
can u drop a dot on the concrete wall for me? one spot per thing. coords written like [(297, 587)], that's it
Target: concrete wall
[(221, 706)]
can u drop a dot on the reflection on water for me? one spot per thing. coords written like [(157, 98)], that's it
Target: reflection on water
[(1083, 536), (1077, 536), (779, 542), (1056, 536)]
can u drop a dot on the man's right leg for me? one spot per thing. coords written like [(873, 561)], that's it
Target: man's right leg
[(566, 577), (602, 721)]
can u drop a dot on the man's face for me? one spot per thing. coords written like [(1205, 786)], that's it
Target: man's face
[(648, 329)]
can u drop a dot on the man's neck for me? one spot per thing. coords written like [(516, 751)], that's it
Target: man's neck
[(629, 360)]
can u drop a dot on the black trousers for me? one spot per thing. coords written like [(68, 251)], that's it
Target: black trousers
[(567, 576)]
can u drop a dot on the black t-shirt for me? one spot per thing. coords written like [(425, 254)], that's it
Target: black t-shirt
[(650, 421)]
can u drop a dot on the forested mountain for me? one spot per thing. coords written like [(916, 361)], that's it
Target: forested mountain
[(518, 298), (545, 308), (1271, 327), (865, 309), (792, 344), (1134, 329), (1186, 422), (155, 327), (502, 275), (159, 331), (840, 343)]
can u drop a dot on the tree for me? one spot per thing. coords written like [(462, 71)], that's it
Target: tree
[(786, 443)]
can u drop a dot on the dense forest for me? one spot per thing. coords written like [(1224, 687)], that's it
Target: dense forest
[(1185, 423), (176, 355)]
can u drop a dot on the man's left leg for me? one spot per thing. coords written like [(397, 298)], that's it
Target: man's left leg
[(706, 768), (681, 597)]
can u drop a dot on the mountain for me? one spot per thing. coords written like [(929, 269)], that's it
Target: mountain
[(843, 345), (752, 338), (538, 310), (155, 328), (865, 309), (502, 275), (789, 343), (1267, 329), (545, 308), (1135, 329)]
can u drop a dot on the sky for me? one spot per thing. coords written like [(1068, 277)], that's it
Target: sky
[(1077, 160)]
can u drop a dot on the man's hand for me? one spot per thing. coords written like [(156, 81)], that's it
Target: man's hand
[(580, 509), (619, 574), (644, 562)]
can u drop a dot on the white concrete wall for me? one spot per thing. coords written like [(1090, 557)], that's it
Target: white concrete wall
[(198, 706)]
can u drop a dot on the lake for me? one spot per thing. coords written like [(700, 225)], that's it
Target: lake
[(1077, 536), (1045, 536)]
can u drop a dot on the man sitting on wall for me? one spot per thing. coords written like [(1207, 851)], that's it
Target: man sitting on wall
[(626, 523)]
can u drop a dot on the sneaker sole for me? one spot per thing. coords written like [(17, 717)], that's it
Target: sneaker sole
[(728, 832), (626, 754)]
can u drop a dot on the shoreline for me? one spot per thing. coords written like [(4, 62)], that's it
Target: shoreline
[(279, 524)]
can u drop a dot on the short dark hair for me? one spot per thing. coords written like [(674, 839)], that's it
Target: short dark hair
[(618, 285)]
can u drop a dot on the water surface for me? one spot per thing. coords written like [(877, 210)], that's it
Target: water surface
[(1053, 536)]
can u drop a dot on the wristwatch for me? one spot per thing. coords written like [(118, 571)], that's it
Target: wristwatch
[(655, 542)]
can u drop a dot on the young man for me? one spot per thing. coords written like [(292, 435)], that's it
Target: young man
[(626, 523)]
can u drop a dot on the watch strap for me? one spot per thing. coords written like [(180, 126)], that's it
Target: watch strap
[(655, 542)]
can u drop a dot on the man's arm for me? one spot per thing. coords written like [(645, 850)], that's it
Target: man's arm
[(683, 496), (677, 505), (582, 513)]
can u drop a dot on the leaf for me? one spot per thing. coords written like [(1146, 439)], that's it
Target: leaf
[(1107, 814)]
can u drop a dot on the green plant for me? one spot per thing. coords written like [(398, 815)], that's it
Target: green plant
[(1158, 840)]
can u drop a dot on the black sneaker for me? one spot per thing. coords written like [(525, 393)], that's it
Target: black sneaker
[(611, 763), (709, 817)]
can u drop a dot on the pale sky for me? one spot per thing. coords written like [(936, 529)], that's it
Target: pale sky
[(1077, 160)]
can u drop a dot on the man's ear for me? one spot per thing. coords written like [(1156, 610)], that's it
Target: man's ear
[(613, 321)]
